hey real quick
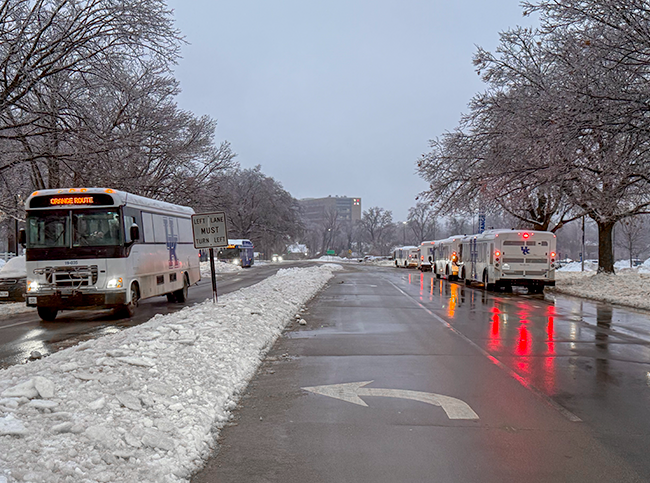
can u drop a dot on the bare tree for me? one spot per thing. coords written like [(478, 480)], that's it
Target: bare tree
[(631, 235), (376, 224), (422, 221), (257, 207)]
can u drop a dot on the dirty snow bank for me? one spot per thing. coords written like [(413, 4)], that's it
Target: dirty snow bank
[(142, 405), (628, 288)]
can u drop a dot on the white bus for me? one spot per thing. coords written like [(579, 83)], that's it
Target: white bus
[(90, 248), (427, 254), (503, 258), (406, 257), (446, 259)]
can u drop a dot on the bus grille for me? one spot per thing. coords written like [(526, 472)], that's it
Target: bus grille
[(72, 276)]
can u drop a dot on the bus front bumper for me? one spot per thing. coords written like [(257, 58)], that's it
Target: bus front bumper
[(77, 299)]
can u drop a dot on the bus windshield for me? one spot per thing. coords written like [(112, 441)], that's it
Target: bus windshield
[(228, 253), (77, 228)]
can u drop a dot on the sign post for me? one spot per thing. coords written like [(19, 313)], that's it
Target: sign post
[(209, 230)]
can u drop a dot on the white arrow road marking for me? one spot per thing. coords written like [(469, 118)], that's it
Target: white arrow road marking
[(350, 392)]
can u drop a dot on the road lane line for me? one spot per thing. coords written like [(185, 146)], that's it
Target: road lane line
[(516, 376), (17, 323)]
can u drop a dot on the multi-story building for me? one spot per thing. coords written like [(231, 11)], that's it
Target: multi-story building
[(316, 210)]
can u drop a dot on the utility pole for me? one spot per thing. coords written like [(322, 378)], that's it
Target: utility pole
[(582, 258)]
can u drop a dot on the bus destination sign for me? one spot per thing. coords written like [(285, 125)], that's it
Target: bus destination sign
[(81, 199), (73, 200), (209, 230)]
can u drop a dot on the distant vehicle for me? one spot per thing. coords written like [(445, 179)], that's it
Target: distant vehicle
[(238, 252), (276, 258), (97, 248), (406, 257), (427, 252), (446, 258), (13, 276)]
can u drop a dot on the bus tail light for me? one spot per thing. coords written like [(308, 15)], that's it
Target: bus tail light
[(454, 257), (497, 258), (526, 235)]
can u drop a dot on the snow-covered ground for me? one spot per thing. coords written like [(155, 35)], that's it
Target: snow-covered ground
[(144, 405), (625, 288), (12, 308), (219, 267)]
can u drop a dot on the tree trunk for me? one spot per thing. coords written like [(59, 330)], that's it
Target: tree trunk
[(605, 247)]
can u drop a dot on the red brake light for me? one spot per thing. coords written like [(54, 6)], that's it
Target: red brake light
[(526, 235), (552, 254), (497, 253)]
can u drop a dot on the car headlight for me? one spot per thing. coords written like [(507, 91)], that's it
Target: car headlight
[(32, 286), (114, 283), (279, 259)]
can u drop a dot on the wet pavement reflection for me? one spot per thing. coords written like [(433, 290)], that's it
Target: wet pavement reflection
[(576, 351)]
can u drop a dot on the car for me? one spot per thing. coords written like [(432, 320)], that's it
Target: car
[(276, 258), (13, 277)]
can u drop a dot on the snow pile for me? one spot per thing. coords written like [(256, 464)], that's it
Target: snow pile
[(219, 267), (334, 258), (14, 268), (12, 309), (630, 288), (142, 405), (590, 266)]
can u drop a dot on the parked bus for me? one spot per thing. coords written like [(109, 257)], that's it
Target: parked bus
[(406, 257), (239, 252), (503, 258), (427, 255), (93, 248), (446, 259)]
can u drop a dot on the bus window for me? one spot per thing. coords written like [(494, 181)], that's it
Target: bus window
[(96, 228), (48, 230)]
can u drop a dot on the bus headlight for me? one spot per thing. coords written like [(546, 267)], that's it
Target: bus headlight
[(114, 283), (32, 286)]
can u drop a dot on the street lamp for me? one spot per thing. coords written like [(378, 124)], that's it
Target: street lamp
[(404, 232)]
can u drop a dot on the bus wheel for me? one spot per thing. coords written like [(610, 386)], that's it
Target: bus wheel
[(181, 294), (171, 298), (48, 314), (486, 285), (128, 310)]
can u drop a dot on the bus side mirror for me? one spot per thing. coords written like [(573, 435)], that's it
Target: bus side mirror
[(22, 237), (134, 232)]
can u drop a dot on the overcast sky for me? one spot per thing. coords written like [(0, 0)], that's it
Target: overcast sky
[(337, 97)]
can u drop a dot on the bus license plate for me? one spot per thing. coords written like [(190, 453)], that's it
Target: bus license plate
[(4, 293), (31, 300)]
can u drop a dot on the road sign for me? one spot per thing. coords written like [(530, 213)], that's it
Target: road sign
[(350, 392), (209, 230)]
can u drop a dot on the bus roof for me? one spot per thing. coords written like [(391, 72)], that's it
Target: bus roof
[(83, 197), (240, 241), (506, 231)]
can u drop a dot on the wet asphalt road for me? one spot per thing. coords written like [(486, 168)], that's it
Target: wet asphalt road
[(561, 387), (23, 333)]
